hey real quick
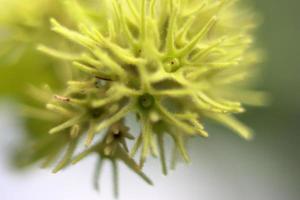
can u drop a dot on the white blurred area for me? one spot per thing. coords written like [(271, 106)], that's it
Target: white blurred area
[(224, 167)]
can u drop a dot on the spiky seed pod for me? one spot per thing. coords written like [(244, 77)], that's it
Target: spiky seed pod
[(172, 63), (166, 61)]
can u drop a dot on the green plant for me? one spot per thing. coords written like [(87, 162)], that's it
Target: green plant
[(171, 63)]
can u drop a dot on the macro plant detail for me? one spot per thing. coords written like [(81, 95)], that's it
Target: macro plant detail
[(170, 63)]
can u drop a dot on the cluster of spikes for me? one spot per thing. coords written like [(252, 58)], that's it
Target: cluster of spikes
[(170, 63)]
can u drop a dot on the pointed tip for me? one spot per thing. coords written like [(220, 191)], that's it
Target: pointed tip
[(96, 185), (151, 183), (242, 110), (73, 162), (188, 161), (165, 172), (40, 47), (96, 188), (205, 134), (53, 21), (214, 18), (202, 132), (249, 136), (54, 24)]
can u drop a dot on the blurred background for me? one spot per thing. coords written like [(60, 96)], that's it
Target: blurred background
[(224, 166)]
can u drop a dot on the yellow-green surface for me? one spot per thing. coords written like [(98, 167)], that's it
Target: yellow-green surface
[(276, 125)]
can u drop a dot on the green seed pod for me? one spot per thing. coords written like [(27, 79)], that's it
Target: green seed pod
[(170, 62)]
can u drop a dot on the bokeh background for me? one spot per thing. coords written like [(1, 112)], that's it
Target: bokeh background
[(224, 166)]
